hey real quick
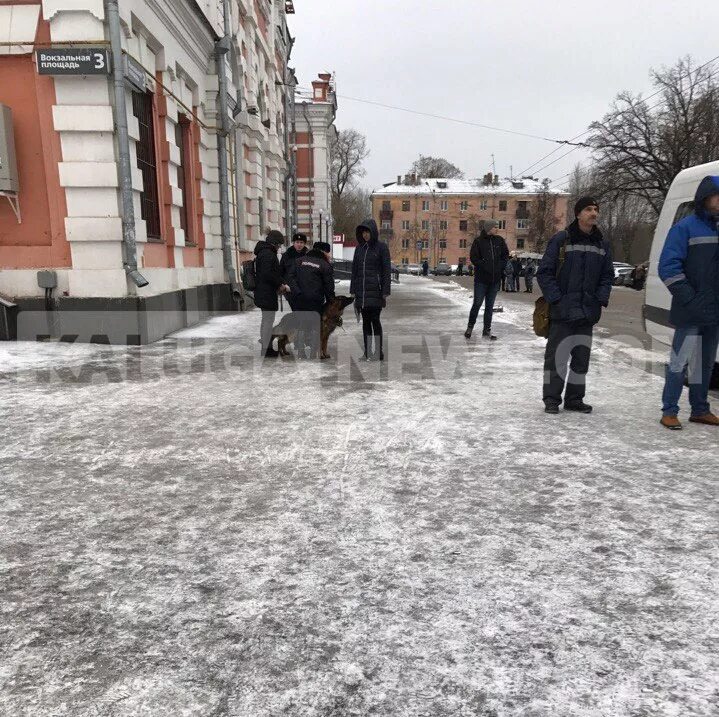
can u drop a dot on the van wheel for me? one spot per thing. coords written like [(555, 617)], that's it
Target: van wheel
[(714, 383)]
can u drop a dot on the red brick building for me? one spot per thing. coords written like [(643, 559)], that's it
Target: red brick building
[(437, 219)]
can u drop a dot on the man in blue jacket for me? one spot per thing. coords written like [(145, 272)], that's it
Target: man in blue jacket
[(689, 268), (576, 277)]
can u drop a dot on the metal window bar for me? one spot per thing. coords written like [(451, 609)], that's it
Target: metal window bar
[(147, 163)]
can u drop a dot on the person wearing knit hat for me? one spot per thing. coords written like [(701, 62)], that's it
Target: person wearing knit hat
[(270, 283), (489, 255), (576, 276)]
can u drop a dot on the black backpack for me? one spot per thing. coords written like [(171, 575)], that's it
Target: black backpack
[(249, 275)]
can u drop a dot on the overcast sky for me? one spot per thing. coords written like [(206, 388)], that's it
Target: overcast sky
[(544, 68)]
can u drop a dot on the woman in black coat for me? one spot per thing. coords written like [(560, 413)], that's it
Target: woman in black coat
[(371, 284), (269, 284)]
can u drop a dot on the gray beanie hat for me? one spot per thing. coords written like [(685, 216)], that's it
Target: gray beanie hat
[(488, 224)]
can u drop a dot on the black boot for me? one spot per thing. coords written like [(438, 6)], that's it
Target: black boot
[(366, 355), (468, 332), (488, 335)]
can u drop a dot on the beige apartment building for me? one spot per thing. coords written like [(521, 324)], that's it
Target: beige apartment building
[(437, 219)]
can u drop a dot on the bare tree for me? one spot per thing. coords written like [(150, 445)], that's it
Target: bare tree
[(640, 148), (543, 219), (350, 210), (435, 167), (348, 152)]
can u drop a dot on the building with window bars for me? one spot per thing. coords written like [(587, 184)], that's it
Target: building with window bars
[(443, 216), (69, 217)]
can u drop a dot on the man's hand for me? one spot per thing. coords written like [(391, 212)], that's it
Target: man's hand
[(284, 289)]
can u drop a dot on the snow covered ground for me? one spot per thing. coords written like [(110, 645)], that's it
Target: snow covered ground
[(189, 531)]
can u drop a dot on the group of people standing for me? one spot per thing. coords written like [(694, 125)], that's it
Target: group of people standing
[(306, 278), (576, 276), (513, 272)]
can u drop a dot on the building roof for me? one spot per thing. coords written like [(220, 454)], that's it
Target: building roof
[(466, 186)]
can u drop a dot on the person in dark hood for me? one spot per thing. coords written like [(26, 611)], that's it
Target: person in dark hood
[(689, 268), (425, 268), (517, 272), (298, 249), (269, 285), (489, 254), (371, 285), (529, 272), (576, 276), (312, 283)]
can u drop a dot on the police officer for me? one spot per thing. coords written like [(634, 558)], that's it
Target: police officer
[(312, 284)]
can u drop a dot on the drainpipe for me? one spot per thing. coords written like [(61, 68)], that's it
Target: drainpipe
[(124, 167), (222, 47)]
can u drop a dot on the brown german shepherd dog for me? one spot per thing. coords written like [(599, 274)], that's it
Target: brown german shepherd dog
[(286, 331)]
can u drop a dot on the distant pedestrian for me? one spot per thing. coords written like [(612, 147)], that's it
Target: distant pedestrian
[(270, 284), (371, 285), (576, 277), (425, 268), (517, 272), (312, 283), (489, 256), (529, 272), (508, 276), (460, 269), (689, 267)]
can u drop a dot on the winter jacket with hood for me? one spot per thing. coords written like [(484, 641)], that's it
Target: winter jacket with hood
[(371, 269), (312, 281), (689, 263), (269, 276), (289, 258), (585, 280), (489, 254)]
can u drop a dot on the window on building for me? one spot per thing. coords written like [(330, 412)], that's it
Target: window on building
[(425, 205), (405, 225), (147, 163), (522, 223), (443, 224), (386, 206), (462, 243), (463, 206), (405, 243), (442, 260), (444, 205), (520, 243), (405, 260), (522, 206), (386, 224), (425, 244), (501, 223), (502, 205), (442, 244), (425, 225), (183, 140), (483, 205), (462, 260), (463, 225), (406, 206)]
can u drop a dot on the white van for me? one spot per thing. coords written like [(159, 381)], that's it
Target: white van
[(678, 204)]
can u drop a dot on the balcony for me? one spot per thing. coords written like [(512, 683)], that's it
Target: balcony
[(386, 215), (386, 233), (522, 213)]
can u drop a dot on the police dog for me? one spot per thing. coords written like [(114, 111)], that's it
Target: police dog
[(286, 331)]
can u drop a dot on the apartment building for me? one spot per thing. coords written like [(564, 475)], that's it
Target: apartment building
[(315, 113), (158, 238), (437, 219)]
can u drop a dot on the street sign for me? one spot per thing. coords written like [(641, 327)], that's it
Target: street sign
[(74, 61), (419, 245), (135, 74), (338, 238)]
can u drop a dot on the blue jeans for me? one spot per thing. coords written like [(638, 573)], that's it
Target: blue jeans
[(694, 352), (487, 294)]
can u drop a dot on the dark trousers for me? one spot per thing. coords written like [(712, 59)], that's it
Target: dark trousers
[(268, 321), (487, 294), (310, 328), (372, 326), (568, 344)]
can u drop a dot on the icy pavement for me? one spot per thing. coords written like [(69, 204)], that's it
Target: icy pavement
[(188, 532)]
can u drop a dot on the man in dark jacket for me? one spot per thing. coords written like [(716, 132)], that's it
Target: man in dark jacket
[(576, 277), (529, 272), (489, 255), (371, 285), (269, 284), (517, 270), (312, 283), (425, 268), (689, 268), (298, 249)]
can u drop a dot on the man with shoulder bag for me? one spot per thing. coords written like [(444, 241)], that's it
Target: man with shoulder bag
[(576, 277)]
